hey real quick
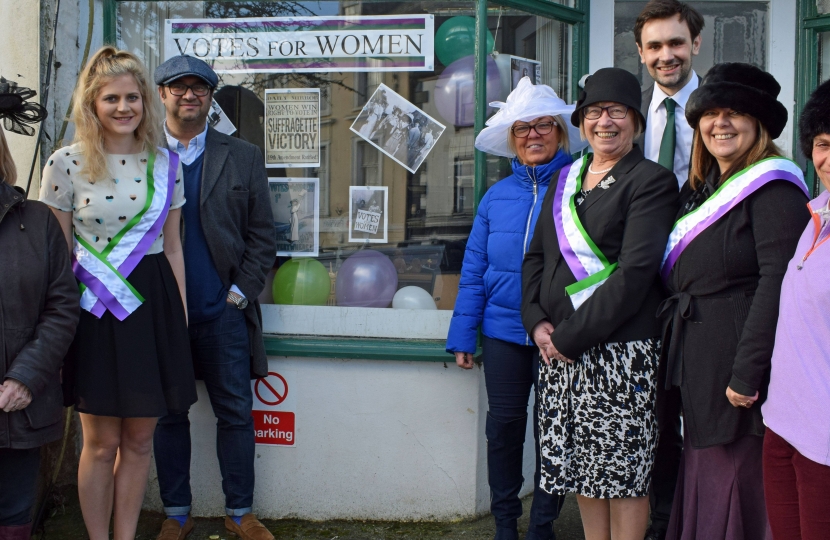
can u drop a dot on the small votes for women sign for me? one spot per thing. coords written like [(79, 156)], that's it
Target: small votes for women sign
[(273, 410)]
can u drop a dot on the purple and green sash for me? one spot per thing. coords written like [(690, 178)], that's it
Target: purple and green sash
[(103, 275), (734, 190), (590, 267)]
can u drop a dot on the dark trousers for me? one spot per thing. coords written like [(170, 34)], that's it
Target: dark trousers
[(667, 455), (221, 357), (18, 479), (510, 371), (797, 492)]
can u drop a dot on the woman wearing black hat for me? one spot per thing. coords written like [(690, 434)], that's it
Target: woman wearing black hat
[(590, 288), (38, 315), (796, 413), (742, 212)]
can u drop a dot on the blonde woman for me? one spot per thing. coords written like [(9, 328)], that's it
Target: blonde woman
[(118, 198)]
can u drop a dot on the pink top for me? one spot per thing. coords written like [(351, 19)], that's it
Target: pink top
[(798, 406)]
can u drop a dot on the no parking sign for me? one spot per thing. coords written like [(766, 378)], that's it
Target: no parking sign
[(273, 411)]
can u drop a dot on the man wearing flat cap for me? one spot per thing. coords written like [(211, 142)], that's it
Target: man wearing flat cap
[(229, 246)]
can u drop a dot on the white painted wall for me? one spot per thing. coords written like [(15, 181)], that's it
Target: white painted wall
[(380, 440), (601, 47), (20, 63), (783, 24)]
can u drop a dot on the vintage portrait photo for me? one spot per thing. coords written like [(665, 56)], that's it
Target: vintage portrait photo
[(397, 128), (523, 67), (368, 220), (218, 120), (295, 203)]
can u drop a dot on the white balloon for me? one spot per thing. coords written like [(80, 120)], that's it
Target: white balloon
[(413, 298)]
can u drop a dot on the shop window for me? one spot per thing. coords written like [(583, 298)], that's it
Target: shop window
[(396, 180), (736, 31), (823, 56)]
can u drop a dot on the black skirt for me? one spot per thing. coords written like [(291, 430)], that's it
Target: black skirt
[(139, 367)]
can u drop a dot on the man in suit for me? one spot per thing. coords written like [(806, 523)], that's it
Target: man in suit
[(667, 33), (229, 246)]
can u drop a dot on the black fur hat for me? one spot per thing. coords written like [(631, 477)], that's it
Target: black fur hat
[(610, 84), (743, 88), (815, 118)]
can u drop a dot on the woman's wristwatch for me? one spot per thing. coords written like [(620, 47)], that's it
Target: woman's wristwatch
[(238, 300)]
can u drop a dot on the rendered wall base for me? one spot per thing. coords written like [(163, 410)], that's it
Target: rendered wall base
[(378, 440)]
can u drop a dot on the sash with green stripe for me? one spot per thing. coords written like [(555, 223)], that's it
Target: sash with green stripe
[(103, 275), (590, 267)]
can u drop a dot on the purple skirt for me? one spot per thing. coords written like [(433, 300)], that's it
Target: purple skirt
[(720, 493)]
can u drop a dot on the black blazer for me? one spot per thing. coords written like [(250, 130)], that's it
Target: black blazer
[(630, 223), (238, 225)]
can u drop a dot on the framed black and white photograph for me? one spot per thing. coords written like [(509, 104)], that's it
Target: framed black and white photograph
[(368, 218), (524, 67), (397, 128), (295, 203)]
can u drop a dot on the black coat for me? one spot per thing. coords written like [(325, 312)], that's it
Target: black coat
[(630, 223), (721, 317), (39, 310), (238, 225)]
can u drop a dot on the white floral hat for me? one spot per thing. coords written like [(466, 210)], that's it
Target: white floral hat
[(526, 102)]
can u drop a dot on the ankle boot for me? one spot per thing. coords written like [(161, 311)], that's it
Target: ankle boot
[(16, 532), (505, 443)]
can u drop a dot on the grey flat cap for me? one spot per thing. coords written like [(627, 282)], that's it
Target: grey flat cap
[(182, 66)]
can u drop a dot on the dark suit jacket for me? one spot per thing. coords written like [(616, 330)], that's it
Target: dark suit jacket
[(630, 223), (647, 94), (238, 224)]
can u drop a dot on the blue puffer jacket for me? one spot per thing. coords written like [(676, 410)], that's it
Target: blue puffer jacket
[(490, 291)]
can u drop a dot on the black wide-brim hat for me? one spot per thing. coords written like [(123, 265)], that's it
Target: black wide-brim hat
[(741, 87), (815, 119), (610, 84)]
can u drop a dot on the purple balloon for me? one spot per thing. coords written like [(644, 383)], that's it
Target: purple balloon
[(455, 90), (366, 279)]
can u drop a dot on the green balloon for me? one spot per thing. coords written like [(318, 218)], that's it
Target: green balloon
[(456, 38), (302, 282)]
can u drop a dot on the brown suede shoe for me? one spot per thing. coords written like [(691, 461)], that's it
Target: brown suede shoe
[(171, 530), (249, 528)]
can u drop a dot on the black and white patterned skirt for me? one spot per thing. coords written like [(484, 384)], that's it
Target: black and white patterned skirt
[(598, 424)]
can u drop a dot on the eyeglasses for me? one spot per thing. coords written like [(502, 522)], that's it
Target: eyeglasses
[(617, 112), (542, 128), (180, 89)]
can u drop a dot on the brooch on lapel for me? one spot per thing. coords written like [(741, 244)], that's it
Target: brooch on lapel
[(605, 184)]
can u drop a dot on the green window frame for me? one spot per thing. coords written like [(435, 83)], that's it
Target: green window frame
[(811, 24), (403, 349)]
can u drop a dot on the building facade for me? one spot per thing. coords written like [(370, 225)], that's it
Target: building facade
[(383, 425)]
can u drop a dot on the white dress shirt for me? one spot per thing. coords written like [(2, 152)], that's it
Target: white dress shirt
[(195, 148), (656, 124)]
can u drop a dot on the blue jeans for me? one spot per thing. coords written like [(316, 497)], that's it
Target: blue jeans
[(510, 371), (221, 357)]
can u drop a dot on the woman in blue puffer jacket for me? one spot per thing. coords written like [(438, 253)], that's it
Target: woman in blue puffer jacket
[(530, 127)]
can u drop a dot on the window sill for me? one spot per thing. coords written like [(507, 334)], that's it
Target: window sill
[(365, 349)]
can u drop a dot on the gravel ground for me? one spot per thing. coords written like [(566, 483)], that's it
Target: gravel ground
[(66, 523)]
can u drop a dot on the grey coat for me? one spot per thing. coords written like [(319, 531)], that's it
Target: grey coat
[(39, 310), (238, 225)]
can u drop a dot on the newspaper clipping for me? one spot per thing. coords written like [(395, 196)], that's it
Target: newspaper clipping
[(295, 203), (292, 127)]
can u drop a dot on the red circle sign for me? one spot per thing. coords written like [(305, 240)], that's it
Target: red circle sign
[(267, 389)]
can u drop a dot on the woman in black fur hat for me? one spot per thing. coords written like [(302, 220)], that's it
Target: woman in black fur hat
[(742, 212), (796, 413)]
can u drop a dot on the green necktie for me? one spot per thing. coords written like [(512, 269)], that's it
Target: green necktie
[(666, 157)]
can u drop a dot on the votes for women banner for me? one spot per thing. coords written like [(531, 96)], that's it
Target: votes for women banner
[(306, 44), (292, 127)]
